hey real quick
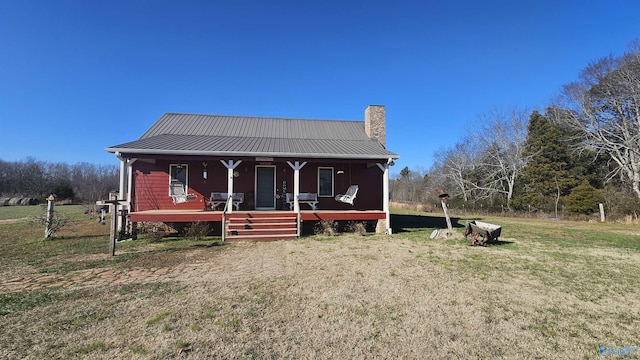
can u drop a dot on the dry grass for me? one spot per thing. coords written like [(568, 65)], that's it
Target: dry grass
[(548, 291)]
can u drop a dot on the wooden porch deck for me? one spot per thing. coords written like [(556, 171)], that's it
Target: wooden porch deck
[(216, 216)]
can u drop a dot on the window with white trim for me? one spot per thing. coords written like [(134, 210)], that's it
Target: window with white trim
[(325, 181), (178, 179)]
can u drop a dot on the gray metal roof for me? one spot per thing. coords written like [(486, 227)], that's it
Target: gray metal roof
[(221, 135)]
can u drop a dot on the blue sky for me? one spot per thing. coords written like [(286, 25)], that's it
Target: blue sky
[(78, 76)]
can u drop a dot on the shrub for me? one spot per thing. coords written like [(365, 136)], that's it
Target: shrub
[(53, 224), (156, 236), (151, 227), (326, 228), (197, 230), (356, 227), (621, 203), (584, 199), (155, 230)]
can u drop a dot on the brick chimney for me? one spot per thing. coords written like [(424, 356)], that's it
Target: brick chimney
[(374, 123)]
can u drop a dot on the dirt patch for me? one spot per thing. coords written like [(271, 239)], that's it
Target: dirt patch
[(13, 221)]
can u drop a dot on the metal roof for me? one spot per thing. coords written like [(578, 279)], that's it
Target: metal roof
[(222, 135)]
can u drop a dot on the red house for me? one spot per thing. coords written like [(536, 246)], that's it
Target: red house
[(279, 172)]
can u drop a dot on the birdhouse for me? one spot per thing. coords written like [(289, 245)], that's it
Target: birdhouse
[(443, 195)]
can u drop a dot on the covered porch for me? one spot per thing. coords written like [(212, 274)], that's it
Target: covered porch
[(216, 216), (257, 225)]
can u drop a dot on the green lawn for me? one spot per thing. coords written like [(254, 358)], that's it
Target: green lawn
[(20, 212), (547, 289)]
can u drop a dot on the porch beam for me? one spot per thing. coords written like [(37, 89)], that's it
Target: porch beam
[(296, 166), (385, 193), (230, 165)]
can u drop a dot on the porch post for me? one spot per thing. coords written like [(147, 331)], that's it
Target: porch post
[(385, 193), (130, 184), (230, 165), (121, 190), (296, 183)]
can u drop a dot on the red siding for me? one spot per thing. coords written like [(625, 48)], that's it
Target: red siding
[(151, 183)]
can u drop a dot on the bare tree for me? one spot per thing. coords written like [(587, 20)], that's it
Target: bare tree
[(35, 178), (500, 141), (604, 110), (93, 182), (409, 185), (455, 164)]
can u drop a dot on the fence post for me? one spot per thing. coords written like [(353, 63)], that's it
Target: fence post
[(48, 231)]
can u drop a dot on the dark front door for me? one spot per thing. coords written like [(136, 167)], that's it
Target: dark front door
[(265, 188)]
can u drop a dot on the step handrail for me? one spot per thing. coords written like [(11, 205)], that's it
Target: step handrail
[(298, 218), (224, 216)]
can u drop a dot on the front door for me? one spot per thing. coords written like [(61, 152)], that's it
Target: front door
[(265, 188)]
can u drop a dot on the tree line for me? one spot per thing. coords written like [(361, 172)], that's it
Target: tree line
[(82, 182), (581, 150)]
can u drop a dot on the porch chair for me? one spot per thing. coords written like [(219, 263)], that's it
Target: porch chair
[(180, 194), (349, 196)]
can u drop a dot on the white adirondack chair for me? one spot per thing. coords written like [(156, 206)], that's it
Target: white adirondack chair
[(349, 196)]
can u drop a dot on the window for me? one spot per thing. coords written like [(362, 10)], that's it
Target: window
[(178, 179), (325, 181)]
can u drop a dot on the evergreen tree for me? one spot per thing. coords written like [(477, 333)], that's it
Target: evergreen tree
[(548, 174), (584, 199)]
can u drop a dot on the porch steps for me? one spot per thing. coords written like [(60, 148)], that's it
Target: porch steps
[(260, 226)]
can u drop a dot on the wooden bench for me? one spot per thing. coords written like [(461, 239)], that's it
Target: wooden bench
[(218, 198), (310, 199)]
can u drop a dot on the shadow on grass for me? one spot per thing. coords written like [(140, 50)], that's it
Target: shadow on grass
[(493, 243), (402, 223), (501, 242), (77, 237), (215, 243), (168, 245)]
